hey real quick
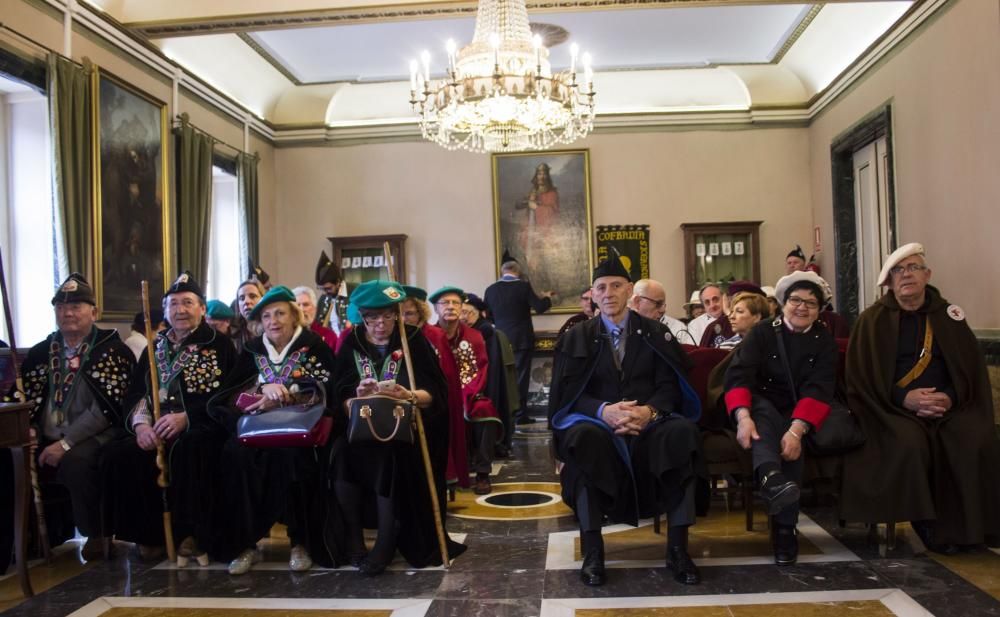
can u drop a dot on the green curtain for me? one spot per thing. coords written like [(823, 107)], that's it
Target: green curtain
[(246, 174), (72, 137), (194, 200)]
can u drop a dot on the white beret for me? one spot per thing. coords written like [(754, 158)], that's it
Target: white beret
[(768, 291), (907, 250), (695, 299), (781, 288)]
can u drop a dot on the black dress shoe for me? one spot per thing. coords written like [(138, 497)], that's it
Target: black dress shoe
[(786, 544), (370, 568), (925, 531), (779, 492), (679, 562), (592, 573)]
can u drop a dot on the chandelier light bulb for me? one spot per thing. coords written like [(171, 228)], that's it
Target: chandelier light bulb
[(413, 75), (574, 52), (425, 57)]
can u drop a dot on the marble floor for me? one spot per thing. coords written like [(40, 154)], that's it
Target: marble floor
[(523, 560)]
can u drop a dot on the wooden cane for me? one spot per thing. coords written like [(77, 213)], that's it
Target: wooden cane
[(36, 488), (163, 481), (421, 434)]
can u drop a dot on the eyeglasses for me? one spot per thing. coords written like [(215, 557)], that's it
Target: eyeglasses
[(796, 302), (911, 268), (657, 303), (371, 318)]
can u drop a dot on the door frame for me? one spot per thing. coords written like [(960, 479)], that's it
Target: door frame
[(873, 126)]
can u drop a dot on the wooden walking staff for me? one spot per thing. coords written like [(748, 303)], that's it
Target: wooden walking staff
[(421, 435), (154, 382), (36, 489)]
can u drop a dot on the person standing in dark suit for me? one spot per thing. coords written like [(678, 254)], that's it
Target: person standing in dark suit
[(510, 301)]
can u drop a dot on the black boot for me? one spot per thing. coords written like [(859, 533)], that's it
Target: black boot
[(925, 531), (785, 540), (678, 560), (592, 547), (778, 491)]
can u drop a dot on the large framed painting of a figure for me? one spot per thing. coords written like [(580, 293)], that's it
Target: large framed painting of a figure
[(542, 217), (131, 205)]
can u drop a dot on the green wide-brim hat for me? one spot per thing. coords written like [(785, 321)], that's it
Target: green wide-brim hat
[(217, 309), (377, 294), (278, 293), (415, 292), (447, 289)]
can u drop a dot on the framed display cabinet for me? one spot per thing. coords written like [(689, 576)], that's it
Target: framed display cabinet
[(361, 258), (720, 253)]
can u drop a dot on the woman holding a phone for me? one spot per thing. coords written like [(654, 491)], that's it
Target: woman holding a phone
[(388, 475)]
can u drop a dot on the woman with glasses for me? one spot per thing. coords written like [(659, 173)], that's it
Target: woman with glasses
[(779, 386), (388, 475), (262, 486)]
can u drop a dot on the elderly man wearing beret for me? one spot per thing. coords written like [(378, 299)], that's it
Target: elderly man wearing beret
[(469, 350), (623, 420), (76, 379), (917, 381)]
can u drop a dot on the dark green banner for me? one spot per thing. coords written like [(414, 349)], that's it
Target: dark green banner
[(632, 242)]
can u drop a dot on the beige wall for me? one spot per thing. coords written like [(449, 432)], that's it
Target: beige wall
[(944, 88), (443, 200)]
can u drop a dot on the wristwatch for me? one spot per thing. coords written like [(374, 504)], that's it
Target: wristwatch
[(65, 445), (653, 413)]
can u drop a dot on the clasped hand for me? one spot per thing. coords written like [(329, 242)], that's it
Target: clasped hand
[(626, 417), (746, 434), (927, 402), (169, 426)]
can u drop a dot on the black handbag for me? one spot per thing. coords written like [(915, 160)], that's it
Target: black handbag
[(379, 418), (298, 425), (841, 431)]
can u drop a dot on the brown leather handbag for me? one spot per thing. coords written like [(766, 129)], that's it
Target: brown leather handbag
[(379, 418)]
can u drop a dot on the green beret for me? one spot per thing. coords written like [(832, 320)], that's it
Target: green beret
[(415, 292), (217, 309), (278, 293), (353, 314), (377, 294), (447, 289)]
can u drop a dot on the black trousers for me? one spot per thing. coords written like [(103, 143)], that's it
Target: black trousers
[(522, 361), (484, 438), (771, 426)]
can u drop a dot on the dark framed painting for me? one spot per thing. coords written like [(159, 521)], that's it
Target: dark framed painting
[(542, 217), (131, 204)]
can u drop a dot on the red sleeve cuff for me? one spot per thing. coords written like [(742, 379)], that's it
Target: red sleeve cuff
[(812, 411), (736, 398)]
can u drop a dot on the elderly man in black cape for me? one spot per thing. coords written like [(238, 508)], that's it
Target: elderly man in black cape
[(193, 363), (918, 383), (623, 418), (76, 378)]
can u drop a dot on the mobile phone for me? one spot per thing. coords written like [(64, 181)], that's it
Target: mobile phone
[(388, 384), (246, 399)]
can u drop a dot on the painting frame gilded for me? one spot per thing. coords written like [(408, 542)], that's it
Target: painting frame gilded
[(546, 224), (131, 196)]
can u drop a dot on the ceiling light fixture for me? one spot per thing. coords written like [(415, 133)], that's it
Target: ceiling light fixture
[(499, 93)]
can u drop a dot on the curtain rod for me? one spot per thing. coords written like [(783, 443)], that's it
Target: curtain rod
[(183, 119)]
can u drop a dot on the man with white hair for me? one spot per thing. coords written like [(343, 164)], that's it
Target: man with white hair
[(649, 299), (917, 381)]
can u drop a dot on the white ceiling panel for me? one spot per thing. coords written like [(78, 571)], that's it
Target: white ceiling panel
[(617, 39)]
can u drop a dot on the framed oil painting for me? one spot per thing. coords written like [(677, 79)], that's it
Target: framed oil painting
[(131, 205), (541, 214)]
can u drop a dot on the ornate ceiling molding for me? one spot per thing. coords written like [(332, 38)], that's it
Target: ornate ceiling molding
[(223, 24)]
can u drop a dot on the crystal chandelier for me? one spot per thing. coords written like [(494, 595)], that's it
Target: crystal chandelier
[(499, 93)]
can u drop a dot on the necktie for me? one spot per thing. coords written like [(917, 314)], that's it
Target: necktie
[(619, 348)]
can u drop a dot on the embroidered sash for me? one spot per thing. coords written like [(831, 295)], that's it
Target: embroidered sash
[(286, 370), (389, 370), (170, 366), (64, 374)]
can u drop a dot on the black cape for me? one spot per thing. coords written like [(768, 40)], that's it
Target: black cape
[(397, 470)]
